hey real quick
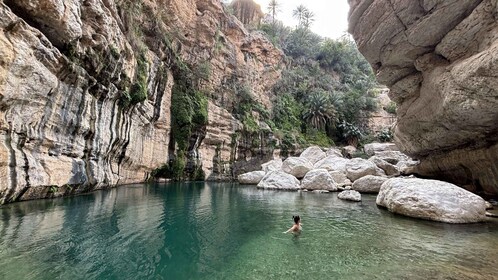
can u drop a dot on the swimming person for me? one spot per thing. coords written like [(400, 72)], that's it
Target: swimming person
[(296, 228)]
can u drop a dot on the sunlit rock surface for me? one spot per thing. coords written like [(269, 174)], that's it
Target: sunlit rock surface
[(431, 200)]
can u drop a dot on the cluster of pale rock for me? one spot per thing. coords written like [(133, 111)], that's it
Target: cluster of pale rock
[(383, 174)]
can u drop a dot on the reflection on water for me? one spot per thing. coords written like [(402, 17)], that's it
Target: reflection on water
[(224, 231)]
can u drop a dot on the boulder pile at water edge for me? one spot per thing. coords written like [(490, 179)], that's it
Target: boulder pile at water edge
[(327, 170)]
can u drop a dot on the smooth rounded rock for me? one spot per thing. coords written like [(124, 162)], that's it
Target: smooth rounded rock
[(272, 165), (332, 163), (313, 154), (340, 178), (357, 168), (334, 152), (251, 178), (297, 166), (369, 184), (318, 179), (431, 200), (279, 180), (351, 195)]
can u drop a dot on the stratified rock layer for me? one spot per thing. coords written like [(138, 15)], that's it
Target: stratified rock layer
[(67, 72), (440, 59)]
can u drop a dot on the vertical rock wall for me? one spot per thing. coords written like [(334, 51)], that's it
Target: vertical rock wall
[(69, 70), (440, 59)]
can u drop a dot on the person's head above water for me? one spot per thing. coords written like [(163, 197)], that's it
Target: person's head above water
[(296, 219)]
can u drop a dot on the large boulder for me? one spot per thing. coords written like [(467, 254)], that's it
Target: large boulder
[(372, 148), (389, 169), (297, 166), (251, 178), (272, 165), (349, 195), (318, 179), (313, 154), (357, 168), (431, 200), (332, 163), (279, 180), (334, 152), (340, 178), (369, 184)]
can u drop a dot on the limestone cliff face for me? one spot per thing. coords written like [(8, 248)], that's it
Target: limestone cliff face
[(440, 59), (85, 90)]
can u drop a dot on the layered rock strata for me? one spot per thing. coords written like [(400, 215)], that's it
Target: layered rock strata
[(440, 59), (86, 86)]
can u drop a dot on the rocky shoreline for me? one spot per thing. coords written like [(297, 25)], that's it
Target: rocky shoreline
[(386, 173)]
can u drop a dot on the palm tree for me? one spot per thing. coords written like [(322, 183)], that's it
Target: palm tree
[(319, 110), (273, 8), (308, 19), (298, 14)]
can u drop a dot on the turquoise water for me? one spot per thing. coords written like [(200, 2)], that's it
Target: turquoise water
[(225, 231)]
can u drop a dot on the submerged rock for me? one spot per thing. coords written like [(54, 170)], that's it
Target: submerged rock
[(318, 179), (431, 200), (369, 184), (313, 154), (279, 180), (297, 166), (350, 195), (251, 178), (358, 168)]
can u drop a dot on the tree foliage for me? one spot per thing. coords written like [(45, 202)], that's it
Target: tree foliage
[(327, 86)]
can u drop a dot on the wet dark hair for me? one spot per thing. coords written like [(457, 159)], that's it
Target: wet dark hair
[(296, 219)]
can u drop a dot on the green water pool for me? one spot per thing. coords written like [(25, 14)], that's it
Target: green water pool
[(227, 231)]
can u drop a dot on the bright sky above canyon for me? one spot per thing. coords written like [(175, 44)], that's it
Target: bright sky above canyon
[(331, 16)]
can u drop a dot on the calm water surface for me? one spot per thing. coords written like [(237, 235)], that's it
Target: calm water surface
[(225, 231)]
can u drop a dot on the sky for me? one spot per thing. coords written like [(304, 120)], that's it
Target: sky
[(331, 16)]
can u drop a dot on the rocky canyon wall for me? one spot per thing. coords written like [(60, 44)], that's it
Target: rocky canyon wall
[(440, 60), (86, 91)]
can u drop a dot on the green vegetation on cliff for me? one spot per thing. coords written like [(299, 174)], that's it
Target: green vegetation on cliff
[(326, 83)]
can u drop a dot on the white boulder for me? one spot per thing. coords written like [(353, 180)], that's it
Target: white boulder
[(251, 178), (369, 184), (279, 180), (272, 165), (332, 163), (340, 178), (313, 154), (431, 200), (297, 166), (318, 179), (349, 195), (389, 169), (372, 148), (357, 168), (333, 152)]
